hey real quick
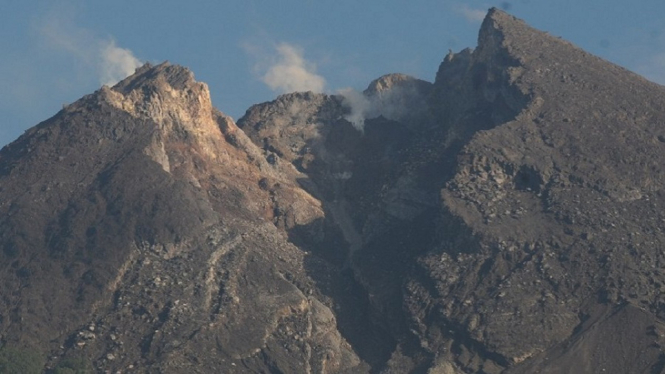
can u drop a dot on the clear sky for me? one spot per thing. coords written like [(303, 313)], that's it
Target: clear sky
[(249, 51)]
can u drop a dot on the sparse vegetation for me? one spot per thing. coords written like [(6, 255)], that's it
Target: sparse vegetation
[(20, 361), (73, 366)]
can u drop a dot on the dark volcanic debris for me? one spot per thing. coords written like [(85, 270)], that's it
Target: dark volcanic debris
[(506, 218), (555, 199)]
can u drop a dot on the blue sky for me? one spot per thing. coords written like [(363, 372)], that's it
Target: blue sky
[(249, 51)]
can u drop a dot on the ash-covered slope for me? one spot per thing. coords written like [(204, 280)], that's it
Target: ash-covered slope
[(137, 236), (550, 252), (504, 219)]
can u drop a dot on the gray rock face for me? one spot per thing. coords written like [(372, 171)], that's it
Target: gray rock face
[(504, 219), (548, 212)]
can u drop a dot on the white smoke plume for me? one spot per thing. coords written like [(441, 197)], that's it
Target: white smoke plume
[(116, 63), (470, 14), (396, 103), (290, 72), (102, 56), (394, 96), (358, 105)]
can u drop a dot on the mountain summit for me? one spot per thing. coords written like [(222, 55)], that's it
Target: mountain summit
[(505, 218)]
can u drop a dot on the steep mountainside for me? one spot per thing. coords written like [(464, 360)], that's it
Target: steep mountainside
[(137, 233), (506, 218), (553, 226)]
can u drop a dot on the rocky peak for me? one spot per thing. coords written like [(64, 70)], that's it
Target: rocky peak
[(497, 32), (488, 77), (164, 93), (503, 42), (169, 96), (290, 126), (394, 81), (148, 75), (496, 28)]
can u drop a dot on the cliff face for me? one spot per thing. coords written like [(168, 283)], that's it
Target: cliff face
[(505, 218)]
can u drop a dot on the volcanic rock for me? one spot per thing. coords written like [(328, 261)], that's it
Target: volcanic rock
[(138, 210), (506, 218)]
